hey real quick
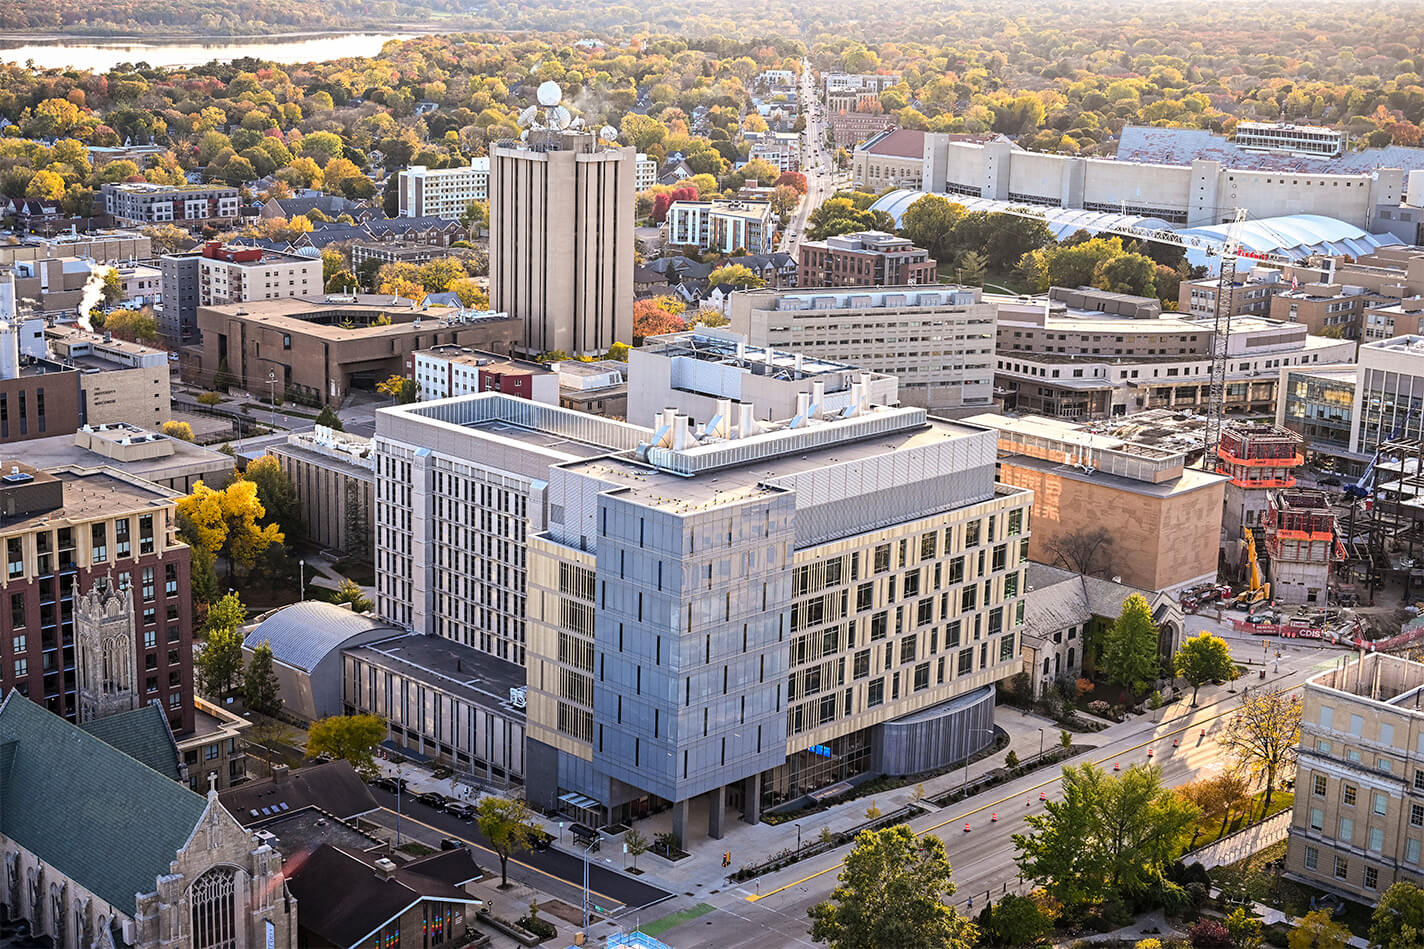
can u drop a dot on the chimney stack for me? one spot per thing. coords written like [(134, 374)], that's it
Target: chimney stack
[(679, 433), (746, 420), (279, 774), (818, 396)]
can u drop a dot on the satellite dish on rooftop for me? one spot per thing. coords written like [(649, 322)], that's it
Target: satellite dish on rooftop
[(528, 115), (560, 117), (608, 133), (549, 94)]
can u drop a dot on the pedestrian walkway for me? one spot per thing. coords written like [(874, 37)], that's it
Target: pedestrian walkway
[(1240, 845)]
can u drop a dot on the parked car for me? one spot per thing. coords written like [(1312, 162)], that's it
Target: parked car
[(386, 784), (431, 799), (447, 843), (543, 840), (461, 810)]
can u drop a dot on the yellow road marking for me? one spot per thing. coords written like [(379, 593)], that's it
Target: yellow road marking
[(445, 833), (757, 897)]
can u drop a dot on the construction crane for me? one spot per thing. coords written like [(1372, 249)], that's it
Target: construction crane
[(1255, 591), (1230, 251)]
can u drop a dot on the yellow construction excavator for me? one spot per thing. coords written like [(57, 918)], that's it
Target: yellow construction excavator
[(1255, 591)]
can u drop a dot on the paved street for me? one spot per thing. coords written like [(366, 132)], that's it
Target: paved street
[(983, 856), (554, 871), (816, 163)]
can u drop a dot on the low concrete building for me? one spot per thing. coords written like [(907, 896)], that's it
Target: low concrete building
[(396, 252), (168, 462), (318, 349), (442, 701), (598, 388), (306, 640), (334, 475), (1357, 825), (119, 381), (100, 246), (692, 370)]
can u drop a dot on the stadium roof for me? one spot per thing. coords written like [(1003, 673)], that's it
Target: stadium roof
[(1061, 221), (303, 634), (1299, 235), (1177, 146)]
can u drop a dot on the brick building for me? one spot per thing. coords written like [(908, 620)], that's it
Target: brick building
[(97, 613), (864, 259)]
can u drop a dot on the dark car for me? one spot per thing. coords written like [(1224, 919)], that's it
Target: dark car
[(461, 810), (447, 843), (431, 799), (542, 840), (385, 784)]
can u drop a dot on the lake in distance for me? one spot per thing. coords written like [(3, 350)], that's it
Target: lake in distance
[(101, 55)]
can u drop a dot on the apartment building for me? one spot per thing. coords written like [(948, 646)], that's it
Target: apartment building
[(398, 252), (781, 149), (1326, 309), (864, 259), (744, 614), (645, 172), (444, 371), (939, 342), (858, 82), (1164, 516), (1357, 825), (1388, 320), (561, 240), (742, 227), (1089, 353), (442, 192), (460, 485), (850, 128), (134, 203), (694, 370), (230, 274), (99, 609)]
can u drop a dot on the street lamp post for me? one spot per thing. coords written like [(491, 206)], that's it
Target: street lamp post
[(272, 395), (972, 733), (302, 575), (1040, 742), (591, 844), (798, 836), (399, 786)]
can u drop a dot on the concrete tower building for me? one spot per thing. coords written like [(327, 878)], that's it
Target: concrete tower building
[(561, 232)]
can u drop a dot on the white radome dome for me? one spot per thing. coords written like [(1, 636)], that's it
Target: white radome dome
[(549, 94)]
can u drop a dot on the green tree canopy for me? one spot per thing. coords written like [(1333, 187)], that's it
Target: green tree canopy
[(1130, 647), (892, 892), (352, 737), (1204, 658), (509, 825), (1398, 920), (260, 688)]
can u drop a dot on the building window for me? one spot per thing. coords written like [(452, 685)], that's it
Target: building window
[(1312, 857), (1342, 868), (1371, 878), (1376, 842), (1317, 819), (1411, 852), (1346, 830), (15, 556), (1318, 785), (214, 916), (99, 542), (1347, 795), (1381, 803), (875, 694)]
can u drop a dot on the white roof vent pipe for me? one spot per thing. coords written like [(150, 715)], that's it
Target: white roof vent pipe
[(746, 420), (721, 424), (800, 358), (680, 438), (818, 397), (803, 407)]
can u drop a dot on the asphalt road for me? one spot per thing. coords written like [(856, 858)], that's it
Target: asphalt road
[(609, 888), (819, 185), (772, 911)]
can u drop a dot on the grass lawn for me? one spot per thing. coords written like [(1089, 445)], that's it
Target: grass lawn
[(1244, 817), (671, 921)]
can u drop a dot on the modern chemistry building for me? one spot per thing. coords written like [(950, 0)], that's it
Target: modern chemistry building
[(746, 613)]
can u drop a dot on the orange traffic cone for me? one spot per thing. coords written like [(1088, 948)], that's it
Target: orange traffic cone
[(966, 827), (994, 817), (1150, 752), (1117, 766), (1176, 742), (1043, 795), (1028, 801)]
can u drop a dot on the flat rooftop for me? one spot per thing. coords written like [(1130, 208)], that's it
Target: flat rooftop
[(452, 667), (300, 315), (59, 450), (678, 494), (468, 356), (757, 360), (1377, 677), (1191, 479), (303, 830), (89, 494)]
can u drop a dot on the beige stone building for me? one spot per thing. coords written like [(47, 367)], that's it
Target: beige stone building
[(1358, 819), (131, 383), (334, 474), (561, 240), (165, 868), (1164, 517)]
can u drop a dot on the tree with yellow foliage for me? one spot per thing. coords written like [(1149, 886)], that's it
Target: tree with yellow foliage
[(226, 523)]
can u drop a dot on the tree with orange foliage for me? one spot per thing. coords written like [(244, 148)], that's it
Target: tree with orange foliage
[(657, 315)]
